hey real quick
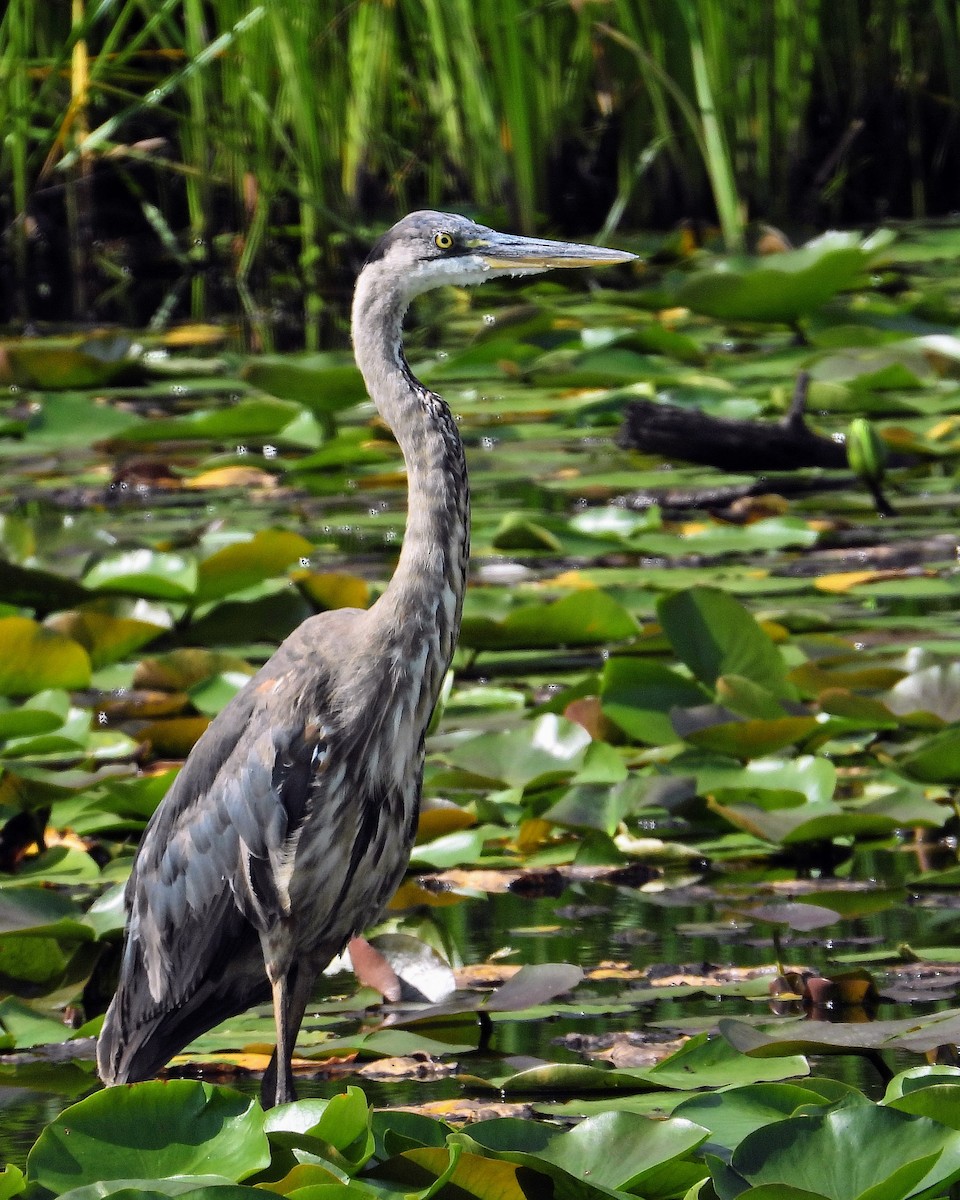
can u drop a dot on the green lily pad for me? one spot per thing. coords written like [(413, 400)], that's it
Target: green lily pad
[(54, 364), (325, 382), (155, 574), (546, 748), (782, 287), (249, 419), (151, 1131), (584, 618), (937, 760), (823, 1153), (639, 694), (715, 635)]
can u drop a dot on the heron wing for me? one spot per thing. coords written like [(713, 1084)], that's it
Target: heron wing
[(217, 855)]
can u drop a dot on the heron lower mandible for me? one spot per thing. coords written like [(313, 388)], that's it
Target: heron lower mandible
[(291, 822)]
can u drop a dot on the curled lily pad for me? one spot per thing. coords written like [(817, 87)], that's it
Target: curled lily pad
[(782, 287)]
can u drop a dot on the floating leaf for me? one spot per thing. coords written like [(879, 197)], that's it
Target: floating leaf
[(781, 287), (53, 364), (543, 749), (106, 638), (242, 564), (33, 659), (823, 1153), (639, 694), (156, 574), (516, 532), (533, 985), (151, 1131), (334, 589), (937, 760), (325, 382), (251, 418), (584, 618), (715, 635)]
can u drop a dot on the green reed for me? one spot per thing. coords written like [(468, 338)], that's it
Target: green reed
[(288, 122)]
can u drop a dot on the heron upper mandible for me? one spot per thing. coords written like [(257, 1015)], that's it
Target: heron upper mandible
[(291, 823)]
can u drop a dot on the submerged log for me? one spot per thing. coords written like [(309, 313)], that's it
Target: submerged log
[(691, 435)]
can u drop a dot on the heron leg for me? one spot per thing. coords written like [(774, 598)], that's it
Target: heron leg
[(289, 1005), (277, 1087)]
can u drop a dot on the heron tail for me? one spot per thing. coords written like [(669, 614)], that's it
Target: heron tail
[(141, 1034)]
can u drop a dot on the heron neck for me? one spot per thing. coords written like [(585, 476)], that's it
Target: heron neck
[(421, 606)]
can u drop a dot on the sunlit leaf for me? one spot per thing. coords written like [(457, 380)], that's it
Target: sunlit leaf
[(151, 1130), (781, 287), (156, 574), (583, 618), (933, 689), (240, 565), (33, 659), (545, 748), (715, 635), (823, 1152), (250, 418)]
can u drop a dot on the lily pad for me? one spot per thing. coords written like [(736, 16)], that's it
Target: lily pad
[(782, 287), (33, 659), (715, 635), (151, 1131), (584, 618), (155, 574)]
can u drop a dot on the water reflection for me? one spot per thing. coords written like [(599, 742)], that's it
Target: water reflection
[(663, 932)]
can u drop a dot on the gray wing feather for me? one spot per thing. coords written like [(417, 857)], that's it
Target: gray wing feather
[(225, 829)]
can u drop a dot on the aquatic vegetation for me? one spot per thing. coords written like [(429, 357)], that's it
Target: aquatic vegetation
[(690, 794)]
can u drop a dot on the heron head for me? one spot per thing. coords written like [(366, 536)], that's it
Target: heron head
[(428, 249)]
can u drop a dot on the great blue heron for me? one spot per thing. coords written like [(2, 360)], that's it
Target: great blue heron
[(291, 822)]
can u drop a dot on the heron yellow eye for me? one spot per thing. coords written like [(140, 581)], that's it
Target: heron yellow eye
[(443, 241)]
